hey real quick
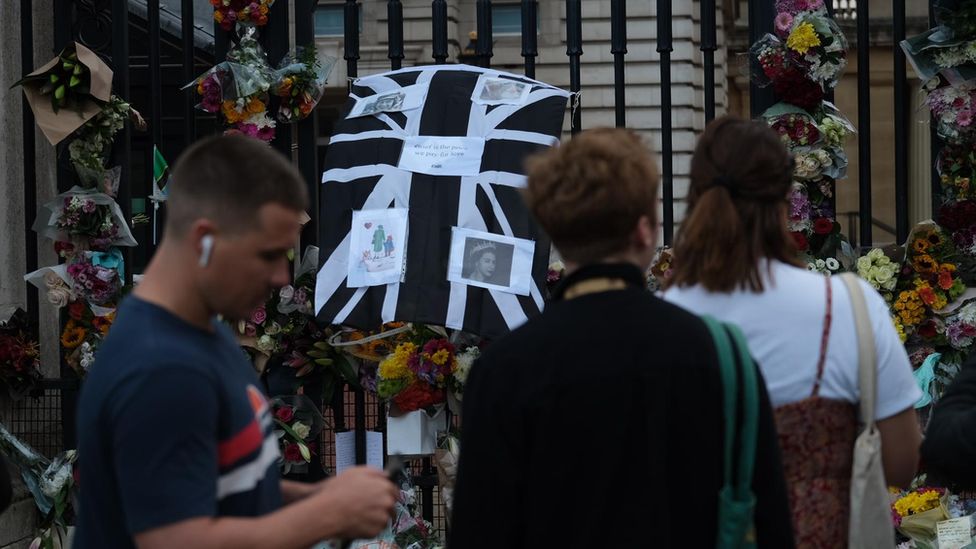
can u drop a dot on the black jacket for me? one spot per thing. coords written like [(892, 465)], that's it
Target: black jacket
[(599, 424), (949, 448)]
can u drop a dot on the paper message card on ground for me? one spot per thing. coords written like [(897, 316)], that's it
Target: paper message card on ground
[(377, 243), (954, 533), (500, 91), (491, 261), (403, 99), (453, 156)]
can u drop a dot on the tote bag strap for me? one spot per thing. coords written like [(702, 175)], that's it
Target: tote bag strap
[(867, 361)]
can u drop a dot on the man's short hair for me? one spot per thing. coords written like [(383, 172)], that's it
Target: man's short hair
[(228, 179), (589, 193)]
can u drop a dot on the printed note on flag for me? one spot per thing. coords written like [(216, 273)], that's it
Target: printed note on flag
[(377, 247), (450, 156)]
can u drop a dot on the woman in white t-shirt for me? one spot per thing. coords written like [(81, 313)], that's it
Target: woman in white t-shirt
[(735, 260)]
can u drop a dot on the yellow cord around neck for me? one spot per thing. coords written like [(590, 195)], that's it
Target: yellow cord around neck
[(593, 286)]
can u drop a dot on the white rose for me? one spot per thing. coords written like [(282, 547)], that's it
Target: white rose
[(301, 430), (59, 296), (286, 293), (265, 344)]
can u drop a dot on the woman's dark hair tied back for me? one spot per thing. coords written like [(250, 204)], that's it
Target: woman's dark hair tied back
[(725, 182)]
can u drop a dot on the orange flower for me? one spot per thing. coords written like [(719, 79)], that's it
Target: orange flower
[(927, 294), (73, 335), (219, 16), (231, 113), (255, 106), (945, 279), (263, 9), (284, 90)]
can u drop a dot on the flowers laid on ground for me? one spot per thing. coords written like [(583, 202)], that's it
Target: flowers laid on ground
[(915, 513), (20, 356), (300, 83), (245, 12), (297, 422), (879, 270)]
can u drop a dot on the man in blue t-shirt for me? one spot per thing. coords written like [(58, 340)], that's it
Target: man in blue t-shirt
[(176, 446)]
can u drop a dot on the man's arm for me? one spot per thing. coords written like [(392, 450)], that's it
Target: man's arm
[(292, 491), (355, 504)]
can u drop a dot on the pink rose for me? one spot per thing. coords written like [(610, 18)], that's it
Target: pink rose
[(259, 315)]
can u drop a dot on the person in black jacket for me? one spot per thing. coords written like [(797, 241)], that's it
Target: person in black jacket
[(949, 448), (600, 422)]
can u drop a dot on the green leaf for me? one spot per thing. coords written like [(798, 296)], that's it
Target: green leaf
[(347, 371), (322, 345), (323, 361), (287, 428)]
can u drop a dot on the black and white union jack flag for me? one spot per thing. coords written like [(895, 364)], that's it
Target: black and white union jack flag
[(362, 174)]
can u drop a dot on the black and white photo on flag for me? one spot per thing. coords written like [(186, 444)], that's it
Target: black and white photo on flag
[(452, 162)]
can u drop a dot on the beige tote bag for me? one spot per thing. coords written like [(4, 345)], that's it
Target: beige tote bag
[(870, 524)]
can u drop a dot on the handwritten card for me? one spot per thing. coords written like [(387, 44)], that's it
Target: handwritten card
[(345, 449), (954, 533), (431, 155), (403, 99), (377, 247)]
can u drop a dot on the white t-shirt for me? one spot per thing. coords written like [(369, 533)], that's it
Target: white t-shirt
[(784, 327)]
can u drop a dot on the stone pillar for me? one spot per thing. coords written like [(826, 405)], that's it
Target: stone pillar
[(17, 524)]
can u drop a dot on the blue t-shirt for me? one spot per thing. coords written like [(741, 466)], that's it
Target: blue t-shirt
[(172, 425)]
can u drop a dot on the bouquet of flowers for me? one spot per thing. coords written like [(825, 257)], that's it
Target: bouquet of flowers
[(807, 54), (952, 108), (959, 219), (92, 143), (300, 83), (956, 165), (660, 269), (960, 327), (297, 422), (67, 80), (245, 12), (95, 281), (879, 271), (20, 356), (85, 218), (418, 373), (916, 512), (465, 360), (84, 331), (237, 89)]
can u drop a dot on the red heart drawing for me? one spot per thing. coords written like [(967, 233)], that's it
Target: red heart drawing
[(368, 225)]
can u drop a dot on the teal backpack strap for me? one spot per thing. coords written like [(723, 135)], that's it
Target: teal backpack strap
[(736, 500)]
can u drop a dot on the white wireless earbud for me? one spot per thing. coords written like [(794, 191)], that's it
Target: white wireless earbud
[(206, 243)]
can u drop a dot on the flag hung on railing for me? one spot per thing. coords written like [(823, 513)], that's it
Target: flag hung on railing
[(422, 218)]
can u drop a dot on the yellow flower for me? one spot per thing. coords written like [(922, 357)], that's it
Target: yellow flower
[(899, 328), (803, 38), (395, 365), (917, 502), (440, 357), (909, 308)]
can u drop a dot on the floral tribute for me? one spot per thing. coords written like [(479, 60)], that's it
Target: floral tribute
[(416, 376), (801, 61), (297, 423), (20, 356), (932, 304), (300, 82), (246, 12)]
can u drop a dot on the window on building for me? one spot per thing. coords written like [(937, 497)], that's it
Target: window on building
[(507, 18), (330, 20)]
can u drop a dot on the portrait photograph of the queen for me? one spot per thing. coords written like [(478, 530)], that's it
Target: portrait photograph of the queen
[(492, 261)]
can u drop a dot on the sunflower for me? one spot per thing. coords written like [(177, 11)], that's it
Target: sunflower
[(925, 264), (920, 245), (73, 335)]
